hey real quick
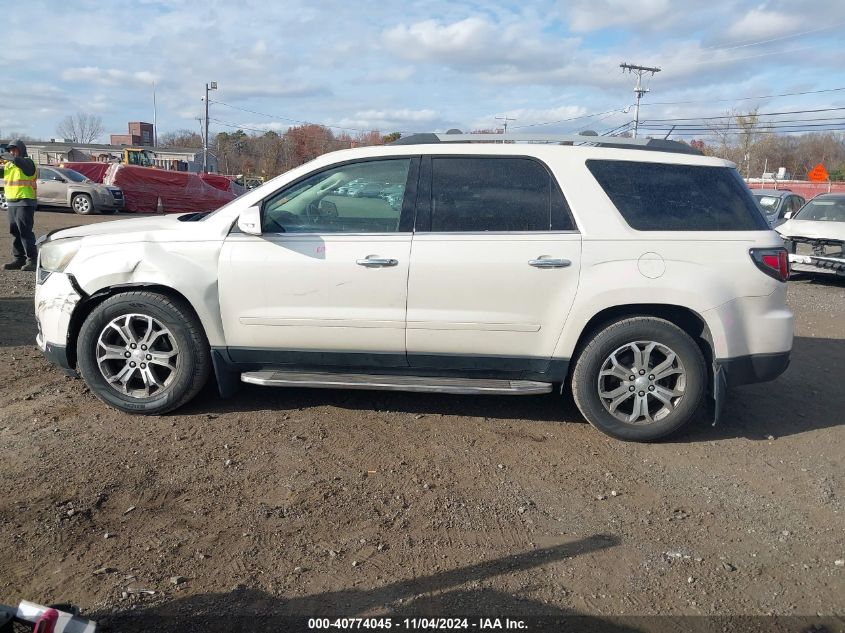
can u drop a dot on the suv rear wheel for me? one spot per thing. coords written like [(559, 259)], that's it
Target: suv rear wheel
[(639, 379), (142, 352)]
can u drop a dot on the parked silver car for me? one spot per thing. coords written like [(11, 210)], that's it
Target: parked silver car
[(62, 187), (776, 203)]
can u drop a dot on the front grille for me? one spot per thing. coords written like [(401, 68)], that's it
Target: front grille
[(819, 248)]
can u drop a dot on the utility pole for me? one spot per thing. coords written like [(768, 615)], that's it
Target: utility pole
[(505, 119), (155, 118), (639, 71), (208, 86)]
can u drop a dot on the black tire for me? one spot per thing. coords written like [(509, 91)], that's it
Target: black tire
[(610, 341), (82, 204), (192, 367)]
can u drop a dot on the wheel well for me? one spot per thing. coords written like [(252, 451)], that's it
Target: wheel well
[(686, 319), (87, 306)]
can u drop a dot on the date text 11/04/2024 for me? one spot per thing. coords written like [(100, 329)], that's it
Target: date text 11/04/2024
[(431, 624)]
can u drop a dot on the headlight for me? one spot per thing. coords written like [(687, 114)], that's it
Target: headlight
[(55, 256)]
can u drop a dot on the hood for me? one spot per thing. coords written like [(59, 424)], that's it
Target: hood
[(812, 229), (21, 147), (130, 225)]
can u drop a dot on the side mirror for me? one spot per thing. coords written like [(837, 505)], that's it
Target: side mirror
[(250, 220), (787, 215)]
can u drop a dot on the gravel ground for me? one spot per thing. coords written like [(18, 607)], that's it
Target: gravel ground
[(306, 502)]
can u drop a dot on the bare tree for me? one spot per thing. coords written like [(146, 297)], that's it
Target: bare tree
[(81, 127), (180, 138), (747, 124)]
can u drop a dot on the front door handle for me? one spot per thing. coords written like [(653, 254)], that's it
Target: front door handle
[(371, 261), (549, 262)]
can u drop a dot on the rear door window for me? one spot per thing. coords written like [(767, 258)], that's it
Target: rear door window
[(666, 197), (472, 194)]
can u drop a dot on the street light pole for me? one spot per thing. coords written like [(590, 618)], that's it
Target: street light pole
[(208, 87)]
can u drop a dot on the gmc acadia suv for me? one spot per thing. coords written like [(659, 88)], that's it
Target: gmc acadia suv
[(638, 272)]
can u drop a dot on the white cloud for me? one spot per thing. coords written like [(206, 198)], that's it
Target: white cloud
[(106, 76), (530, 116), (592, 15), (761, 23), (475, 43), (269, 88), (391, 75), (389, 119)]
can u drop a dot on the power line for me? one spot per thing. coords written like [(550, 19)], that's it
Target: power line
[(774, 39), (350, 142), (618, 129), (300, 121), (711, 132), (739, 59), (757, 125), (785, 94), (575, 118), (787, 128), (731, 116)]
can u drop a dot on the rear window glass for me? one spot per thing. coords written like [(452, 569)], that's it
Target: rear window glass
[(495, 194), (661, 197)]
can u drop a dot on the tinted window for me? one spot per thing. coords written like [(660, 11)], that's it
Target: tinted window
[(356, 198), (47, 174), (72, 175), (495, 194), (661, 197)]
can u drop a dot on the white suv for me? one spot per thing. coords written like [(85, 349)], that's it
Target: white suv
[(637, 271)]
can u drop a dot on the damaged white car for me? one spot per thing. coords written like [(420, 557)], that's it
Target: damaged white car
[(815, 236)]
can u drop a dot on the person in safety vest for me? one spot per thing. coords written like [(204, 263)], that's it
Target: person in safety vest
[(19, 186)]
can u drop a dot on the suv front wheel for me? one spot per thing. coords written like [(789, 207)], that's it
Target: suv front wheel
[(142, 352), (639, 379)]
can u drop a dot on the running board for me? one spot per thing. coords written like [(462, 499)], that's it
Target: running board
[(274, 378)]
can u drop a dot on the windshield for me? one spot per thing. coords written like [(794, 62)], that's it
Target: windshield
[(823, 210), (72, 175), (768, 203), (140, 157)]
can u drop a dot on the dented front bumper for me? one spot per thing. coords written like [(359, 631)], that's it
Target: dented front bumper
[(808, 255), (55, 300)]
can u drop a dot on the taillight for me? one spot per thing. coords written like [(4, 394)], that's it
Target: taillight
[(772, 261)]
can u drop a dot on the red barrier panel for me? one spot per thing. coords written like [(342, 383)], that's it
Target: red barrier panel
[(217, 181), (803, 188), (94, 171), (149, 190)]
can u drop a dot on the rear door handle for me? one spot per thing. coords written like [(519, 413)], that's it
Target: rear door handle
[(549, 262), (372, 261)]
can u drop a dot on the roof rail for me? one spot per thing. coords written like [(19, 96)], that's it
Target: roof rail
[(619, 142)]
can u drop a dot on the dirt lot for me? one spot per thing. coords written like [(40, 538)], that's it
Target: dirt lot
[(307, 502)]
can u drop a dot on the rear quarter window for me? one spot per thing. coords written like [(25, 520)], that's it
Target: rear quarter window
[(664, 197)]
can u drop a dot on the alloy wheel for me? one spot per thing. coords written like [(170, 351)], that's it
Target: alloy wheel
[(81, 204), (137, 355), (642, 382)]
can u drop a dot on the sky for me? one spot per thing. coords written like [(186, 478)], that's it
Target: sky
[(416, 66)]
